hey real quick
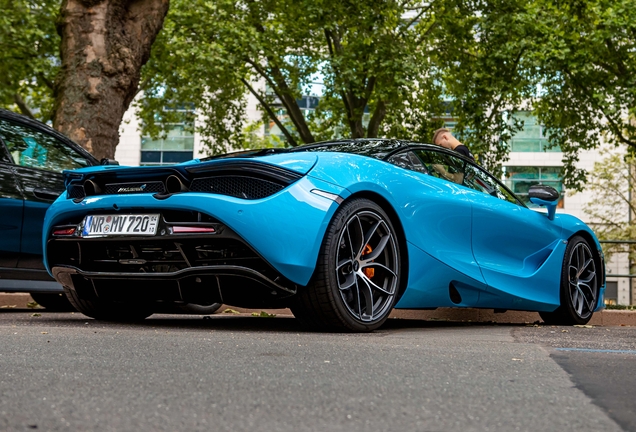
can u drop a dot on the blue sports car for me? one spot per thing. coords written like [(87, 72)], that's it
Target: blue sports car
[(341, 232)]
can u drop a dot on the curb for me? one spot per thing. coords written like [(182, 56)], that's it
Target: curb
[(603, 318)]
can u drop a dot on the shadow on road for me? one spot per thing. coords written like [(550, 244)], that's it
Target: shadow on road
[(219, 322)]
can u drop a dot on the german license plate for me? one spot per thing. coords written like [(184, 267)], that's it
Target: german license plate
[(120, 225)]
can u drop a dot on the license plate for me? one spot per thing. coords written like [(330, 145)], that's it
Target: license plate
[(120, 225)]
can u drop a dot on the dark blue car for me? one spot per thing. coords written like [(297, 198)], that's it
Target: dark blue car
[(32, 158)]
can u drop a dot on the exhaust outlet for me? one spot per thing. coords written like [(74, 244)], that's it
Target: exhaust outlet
[(175, 185), (91, 188)]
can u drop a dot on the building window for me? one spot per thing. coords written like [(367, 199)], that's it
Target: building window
[(520, 178), (532, 137), (176, 147)]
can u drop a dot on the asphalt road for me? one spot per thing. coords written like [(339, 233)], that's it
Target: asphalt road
[(227, 373)]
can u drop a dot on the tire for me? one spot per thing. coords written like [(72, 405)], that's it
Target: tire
[(357, 277), (54, 302), (109, 310), (579, 286), (195, 309)]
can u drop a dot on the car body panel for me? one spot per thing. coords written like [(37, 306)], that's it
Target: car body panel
[(428, 283), (435, 213), (21, 211), (494, 253), (40, 188), (12, 207), (266, 224)]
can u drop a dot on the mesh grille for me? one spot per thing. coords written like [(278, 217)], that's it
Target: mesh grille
[(139, 187), (236, 186), (76, 191)]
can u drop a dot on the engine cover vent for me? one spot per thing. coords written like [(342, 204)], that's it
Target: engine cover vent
[(237, 186)]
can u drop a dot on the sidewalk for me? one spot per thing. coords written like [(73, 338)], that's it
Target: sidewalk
[(603, 318)]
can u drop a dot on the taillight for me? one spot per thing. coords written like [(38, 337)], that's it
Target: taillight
[(192, 229), (65, 231)]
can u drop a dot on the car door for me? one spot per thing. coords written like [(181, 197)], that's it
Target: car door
[(38, 158), (11, 211), (510, 242), (440, 212)]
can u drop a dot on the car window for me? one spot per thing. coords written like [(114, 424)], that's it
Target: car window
[(478, 179), (442, 165), (31, 148), (409, 161), (4, 155), (457, 170)]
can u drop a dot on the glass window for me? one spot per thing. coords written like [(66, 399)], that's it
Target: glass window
[(480, 180), (409, 161), (520, 178), (35, 149), (532, 137), (442, 165), (177, 146), (401, 160), (459, 171)]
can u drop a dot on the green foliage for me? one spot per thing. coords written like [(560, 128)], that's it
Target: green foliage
[(29, 58), (612, 183), (585, 57), (386, 68)]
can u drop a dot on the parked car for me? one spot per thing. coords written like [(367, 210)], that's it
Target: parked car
[(341, 232), (32, 158)]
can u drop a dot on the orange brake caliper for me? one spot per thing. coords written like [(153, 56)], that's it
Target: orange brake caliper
[(369, 271)]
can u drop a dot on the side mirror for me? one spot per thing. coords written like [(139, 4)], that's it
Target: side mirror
[(106, 161), (545, 196)]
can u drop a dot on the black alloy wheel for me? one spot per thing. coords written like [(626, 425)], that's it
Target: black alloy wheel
[(357, 278), (579, 286)]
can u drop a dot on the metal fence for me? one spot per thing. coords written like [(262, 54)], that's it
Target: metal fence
[(631, 276), (631, 295)]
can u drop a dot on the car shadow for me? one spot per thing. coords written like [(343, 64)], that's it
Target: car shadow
[(217, 322)]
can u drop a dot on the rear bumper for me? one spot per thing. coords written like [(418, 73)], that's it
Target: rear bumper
[(228, 284), (285, 229)]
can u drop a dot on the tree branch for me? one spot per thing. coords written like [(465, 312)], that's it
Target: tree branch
[(349, 100), (46, 81), (290, 139), (614, 127), (415, 18), (263, 73), (376, 119), (24, 108), (284, 92)]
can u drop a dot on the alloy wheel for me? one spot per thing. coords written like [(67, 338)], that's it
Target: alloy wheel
[(366, 266), (582, 280)]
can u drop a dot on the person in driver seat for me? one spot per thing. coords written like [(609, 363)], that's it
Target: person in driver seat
[(444, 138)]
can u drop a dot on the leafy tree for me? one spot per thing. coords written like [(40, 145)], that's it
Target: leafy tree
[(612, 211), (104, 45), (585, 56), (29, 59), (488, 72), (386, 68), (85, 78)]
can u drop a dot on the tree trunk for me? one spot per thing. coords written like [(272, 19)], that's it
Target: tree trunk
[(104, 45)]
